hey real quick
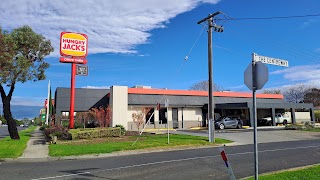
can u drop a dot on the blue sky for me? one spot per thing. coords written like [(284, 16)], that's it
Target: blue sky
[(140, 42)]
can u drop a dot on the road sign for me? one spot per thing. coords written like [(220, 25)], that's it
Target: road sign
[(269, 60), (73, 44), (82, 70), (261, 75), (73, 60)]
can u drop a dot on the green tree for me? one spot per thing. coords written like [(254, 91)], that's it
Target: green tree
[(4, 121), (22, 53), (37, 121)]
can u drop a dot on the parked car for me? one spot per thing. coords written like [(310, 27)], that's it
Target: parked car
[(279, 118), (228, 122)]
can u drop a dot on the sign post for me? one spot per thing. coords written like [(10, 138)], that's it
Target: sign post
[(73, 48), (255, 77), (166, 104)]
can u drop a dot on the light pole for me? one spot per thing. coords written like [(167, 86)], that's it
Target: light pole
[(217, 28)]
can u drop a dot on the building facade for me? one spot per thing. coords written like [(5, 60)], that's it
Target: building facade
[(186, 108)]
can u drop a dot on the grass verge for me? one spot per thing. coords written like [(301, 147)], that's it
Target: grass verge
[(145, 142), (313, 130), (14, 148), (304, 173)]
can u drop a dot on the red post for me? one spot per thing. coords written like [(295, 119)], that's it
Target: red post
[(72, 93)]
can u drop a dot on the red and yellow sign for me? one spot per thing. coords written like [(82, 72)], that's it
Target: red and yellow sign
[(73, 44)]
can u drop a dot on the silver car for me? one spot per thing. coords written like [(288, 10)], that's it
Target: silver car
[(228, 122)]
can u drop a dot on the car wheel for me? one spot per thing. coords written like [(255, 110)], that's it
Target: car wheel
[(221, 126), (285, 122), (239, 126)]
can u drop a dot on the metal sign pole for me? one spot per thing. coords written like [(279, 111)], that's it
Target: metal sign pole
[(168, 125), (167, 106), (254, 112), (72, 93)]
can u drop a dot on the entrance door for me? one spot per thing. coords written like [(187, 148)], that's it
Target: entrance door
[(175, 123)]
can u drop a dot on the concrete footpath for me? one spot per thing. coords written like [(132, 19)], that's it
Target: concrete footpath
[(37, 148)]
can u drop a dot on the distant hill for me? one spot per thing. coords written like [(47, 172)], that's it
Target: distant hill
[(20, 112)]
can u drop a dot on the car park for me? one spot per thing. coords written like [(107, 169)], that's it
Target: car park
[(228, 122)]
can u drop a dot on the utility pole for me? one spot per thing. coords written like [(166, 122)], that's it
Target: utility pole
[(217, 28)]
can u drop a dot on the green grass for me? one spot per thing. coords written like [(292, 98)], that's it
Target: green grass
[(14, 148), (313, 130), (145, 142), (309, 173)]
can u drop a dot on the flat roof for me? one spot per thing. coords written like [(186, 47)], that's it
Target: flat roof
[(200, 93)]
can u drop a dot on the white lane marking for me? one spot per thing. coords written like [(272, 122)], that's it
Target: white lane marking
[(169, 161)]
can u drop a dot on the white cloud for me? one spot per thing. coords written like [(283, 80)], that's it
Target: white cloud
[(308, 23), (300, 73), (96, 87), (293, 76), (111, 26)]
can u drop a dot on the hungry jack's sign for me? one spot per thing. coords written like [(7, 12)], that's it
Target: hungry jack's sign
[(73, 44)]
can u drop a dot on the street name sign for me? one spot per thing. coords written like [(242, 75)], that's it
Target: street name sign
[(269, 60)]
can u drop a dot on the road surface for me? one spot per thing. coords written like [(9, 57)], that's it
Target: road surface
[(4, 131), (204, 163)]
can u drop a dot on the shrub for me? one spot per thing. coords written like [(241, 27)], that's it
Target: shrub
[(59, 131), (95, 133), (293, 127), (123, 130)]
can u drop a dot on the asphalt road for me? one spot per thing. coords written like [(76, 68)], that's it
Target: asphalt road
[(205, 163), (4, 131)]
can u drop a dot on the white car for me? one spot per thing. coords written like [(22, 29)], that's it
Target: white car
[(279, 118)]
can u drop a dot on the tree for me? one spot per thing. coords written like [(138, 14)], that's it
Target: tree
[(204, 86), (139, 117), (271, 91), (296, 94), (313, 96), (102, 115), (83, 118), (22, 55)]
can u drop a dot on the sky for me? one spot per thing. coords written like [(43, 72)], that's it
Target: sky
[(145, 42)]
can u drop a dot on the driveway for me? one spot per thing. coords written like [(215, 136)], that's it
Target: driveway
[(242, 137)]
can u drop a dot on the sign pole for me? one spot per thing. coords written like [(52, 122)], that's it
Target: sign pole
[(168, 125), (167, 106), (73, 49), (254, 87), (72, 94)]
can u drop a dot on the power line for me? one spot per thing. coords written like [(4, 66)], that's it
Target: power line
[(187, 56), (274, 17)]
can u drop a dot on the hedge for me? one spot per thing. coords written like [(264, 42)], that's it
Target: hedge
[(90, 133)]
